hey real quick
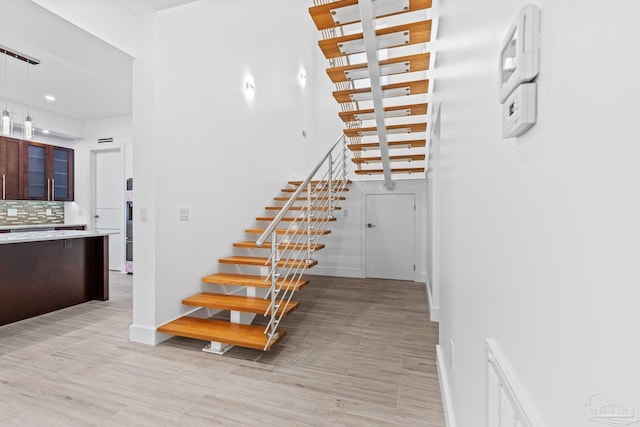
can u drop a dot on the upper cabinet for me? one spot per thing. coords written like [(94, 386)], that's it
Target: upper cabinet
[(62, 174), (35, 171), (9, 168), (47, 172)]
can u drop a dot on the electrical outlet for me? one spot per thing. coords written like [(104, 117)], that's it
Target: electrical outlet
[(144, 215), (12, 212), (451, 355), (49, 212)]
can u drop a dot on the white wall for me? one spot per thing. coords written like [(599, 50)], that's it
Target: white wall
[(539, 234), (226, 158)]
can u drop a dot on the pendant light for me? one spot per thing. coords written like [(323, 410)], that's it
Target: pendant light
[(6, 120), (27, 127), (6, 123)]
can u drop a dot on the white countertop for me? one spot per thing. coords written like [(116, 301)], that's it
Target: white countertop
[(38, 236), (36, 226)]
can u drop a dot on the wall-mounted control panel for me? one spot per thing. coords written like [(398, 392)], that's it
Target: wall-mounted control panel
[(519, 110), (520, 53), (519, 61)]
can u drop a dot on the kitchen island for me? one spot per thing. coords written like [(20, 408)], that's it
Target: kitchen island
[(44, 271)]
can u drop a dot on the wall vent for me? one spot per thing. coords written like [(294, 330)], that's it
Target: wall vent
[(104, 140), (506, 404)]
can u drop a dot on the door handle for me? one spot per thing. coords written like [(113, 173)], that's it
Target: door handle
[(96, 216), (369, 225)]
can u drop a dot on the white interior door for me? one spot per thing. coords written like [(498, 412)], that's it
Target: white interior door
[(109, 203), (390, 236)]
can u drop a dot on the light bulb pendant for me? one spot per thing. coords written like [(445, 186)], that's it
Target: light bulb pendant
[(27, 128), (6, 124)]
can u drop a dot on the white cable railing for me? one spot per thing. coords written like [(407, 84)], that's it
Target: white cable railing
[(292, 247)]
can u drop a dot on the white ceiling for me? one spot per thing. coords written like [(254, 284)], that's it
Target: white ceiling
[(89, 78), (165, 4)]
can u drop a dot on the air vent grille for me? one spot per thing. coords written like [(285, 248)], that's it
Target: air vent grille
[(104, 140)]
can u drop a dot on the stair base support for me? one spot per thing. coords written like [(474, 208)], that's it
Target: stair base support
[(241, 317), (218, 348)]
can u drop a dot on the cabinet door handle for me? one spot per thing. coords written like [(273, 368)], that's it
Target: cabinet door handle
[(48, 189), (4, 192), (53, 189)]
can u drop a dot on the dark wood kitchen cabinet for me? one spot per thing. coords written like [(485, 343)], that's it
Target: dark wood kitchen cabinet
[(9, 168), (47, 172)]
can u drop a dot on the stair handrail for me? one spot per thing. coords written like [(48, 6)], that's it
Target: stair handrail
[(291, 253), (278, 218)]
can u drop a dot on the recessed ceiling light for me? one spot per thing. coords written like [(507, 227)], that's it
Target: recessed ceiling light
[(50, 98), (45, 131)]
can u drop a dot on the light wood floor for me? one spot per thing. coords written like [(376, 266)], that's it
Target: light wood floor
[(358, 353)]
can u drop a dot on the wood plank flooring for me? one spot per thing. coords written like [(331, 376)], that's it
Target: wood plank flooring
[(358, 353)]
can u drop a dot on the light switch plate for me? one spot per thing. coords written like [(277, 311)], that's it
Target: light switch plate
[(184, 214)]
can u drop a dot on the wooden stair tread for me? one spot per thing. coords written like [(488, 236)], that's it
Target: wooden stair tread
[(402, 158), (314, 189), (251, 336), (369, 131), (380, 171), (418, 32), (397, 111), (263, 261), (302, 231), (416, 143), (299, 208), (289, 219), (314, 182), (285, 246), (304, 199), (234, 279), (323, 17), (237, 303), (388, 91), (388, 67)]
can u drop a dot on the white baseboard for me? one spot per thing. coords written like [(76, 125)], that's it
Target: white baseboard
[(146, 335), (434, 310), (337, 271), (445, 388)]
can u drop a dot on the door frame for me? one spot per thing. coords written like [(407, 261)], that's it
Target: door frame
[(92, 187), (409, 186), (433, 217)]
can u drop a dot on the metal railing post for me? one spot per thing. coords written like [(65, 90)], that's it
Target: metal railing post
[(274, 282), (330, 184), (344, 159), (309, 218)]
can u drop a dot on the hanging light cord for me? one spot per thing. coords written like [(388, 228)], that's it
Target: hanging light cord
[(28, 91), (5, 82)]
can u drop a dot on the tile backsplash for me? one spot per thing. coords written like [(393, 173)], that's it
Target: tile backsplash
[(26, 212)]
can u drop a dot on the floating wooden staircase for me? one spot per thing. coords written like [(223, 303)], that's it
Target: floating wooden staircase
[(379, 66), (279, 275)]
